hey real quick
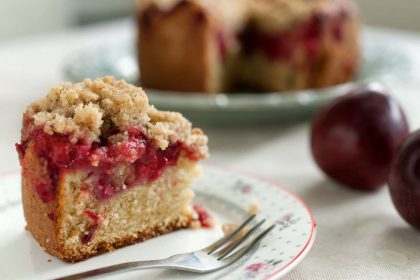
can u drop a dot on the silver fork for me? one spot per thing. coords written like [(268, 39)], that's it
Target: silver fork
[(218, 255)]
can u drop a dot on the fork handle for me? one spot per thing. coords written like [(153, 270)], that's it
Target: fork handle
[(122, 267)]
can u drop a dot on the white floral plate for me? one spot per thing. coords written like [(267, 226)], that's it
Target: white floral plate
[(226, 195)]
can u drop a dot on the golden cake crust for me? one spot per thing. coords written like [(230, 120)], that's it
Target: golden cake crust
[(169, 68)]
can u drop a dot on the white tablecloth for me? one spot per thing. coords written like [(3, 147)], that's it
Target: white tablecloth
[(360, 236)]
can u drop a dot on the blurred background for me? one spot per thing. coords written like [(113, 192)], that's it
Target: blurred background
[(20, 18)]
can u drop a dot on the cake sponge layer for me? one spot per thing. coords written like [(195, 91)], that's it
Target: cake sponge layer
[(77, 226)]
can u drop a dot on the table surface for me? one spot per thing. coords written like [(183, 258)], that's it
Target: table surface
[(359, 235)]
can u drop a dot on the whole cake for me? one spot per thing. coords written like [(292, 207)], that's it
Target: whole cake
[(101, 168), (263, 45)]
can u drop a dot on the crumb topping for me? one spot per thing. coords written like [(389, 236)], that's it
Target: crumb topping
[(105, 109)]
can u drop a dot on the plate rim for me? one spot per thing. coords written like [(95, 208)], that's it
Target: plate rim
[(252, 101), (228, 169), (311, 239)]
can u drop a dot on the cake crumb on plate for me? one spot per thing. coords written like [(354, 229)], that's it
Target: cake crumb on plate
[(254, 208)]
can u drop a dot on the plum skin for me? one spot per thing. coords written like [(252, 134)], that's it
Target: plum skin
[(354, 138), (404, 180)]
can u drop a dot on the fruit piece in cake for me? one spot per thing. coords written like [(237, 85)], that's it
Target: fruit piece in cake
[(202, 219), (101, 168)]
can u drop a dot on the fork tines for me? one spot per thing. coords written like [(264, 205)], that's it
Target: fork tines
[(226, 248)]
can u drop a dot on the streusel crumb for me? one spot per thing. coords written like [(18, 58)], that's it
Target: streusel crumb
[(254, 208), (106, 107)]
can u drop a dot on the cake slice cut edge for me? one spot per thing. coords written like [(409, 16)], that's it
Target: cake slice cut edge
[(95, 182)]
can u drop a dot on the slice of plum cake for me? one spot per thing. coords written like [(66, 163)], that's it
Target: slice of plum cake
[(102, 169)]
